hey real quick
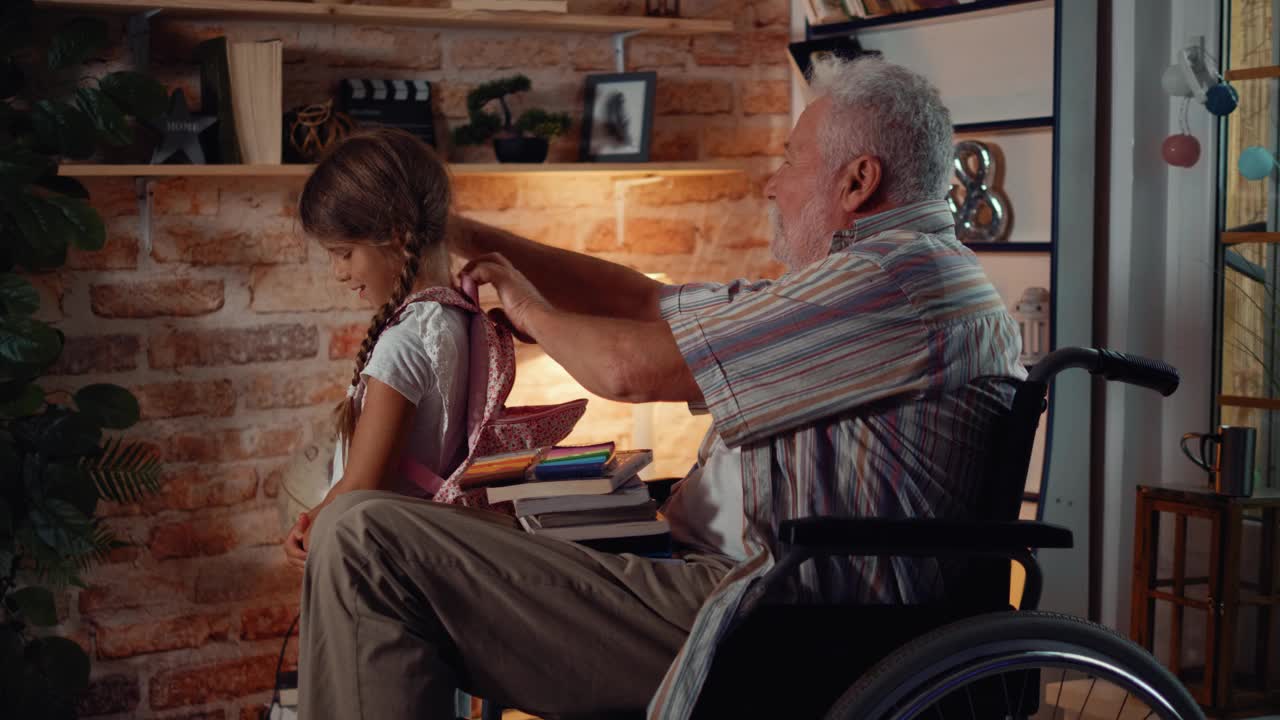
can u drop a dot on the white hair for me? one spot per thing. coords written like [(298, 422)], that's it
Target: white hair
[(892, 113)]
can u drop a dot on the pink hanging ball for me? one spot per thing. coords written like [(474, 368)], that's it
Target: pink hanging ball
[(1180, 150)]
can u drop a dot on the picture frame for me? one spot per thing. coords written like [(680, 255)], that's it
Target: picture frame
[(617, 118)]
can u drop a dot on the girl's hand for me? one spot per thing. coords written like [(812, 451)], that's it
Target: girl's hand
[(295, 543)]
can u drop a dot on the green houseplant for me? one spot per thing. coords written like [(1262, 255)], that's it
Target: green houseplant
[(55, 463), (525, 139)]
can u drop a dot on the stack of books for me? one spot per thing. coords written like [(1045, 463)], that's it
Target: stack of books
[(591, 495)]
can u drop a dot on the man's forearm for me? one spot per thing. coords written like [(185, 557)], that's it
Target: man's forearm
[(571, 281), (625, 360)]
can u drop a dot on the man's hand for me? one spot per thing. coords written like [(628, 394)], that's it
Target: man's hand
[(519, 298)]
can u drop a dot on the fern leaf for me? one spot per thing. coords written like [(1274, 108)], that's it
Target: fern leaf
[(124, 472)]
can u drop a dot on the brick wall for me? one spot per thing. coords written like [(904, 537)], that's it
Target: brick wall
[(237, 342)]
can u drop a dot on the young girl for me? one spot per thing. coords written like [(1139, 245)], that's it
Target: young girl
[(379, 204)]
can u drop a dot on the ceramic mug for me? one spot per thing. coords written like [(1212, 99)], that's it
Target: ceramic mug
[(1228, 457)]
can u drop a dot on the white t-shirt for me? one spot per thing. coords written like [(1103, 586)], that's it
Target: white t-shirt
[(424, 358), (705, 509)]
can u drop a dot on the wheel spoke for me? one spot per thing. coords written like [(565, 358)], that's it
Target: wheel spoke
[(1122, 704), (1057, 702), (973, 712), (1087, 695)]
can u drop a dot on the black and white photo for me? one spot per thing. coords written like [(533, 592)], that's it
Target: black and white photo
[(618, 117)]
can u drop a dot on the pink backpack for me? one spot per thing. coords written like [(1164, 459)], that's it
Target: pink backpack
[(492, 427)]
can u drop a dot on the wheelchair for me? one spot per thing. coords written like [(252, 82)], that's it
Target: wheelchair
[(970, 655)]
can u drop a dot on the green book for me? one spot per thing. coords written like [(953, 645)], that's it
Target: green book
[(215, 99)]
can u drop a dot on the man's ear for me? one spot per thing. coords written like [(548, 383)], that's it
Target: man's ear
[(858, 182)]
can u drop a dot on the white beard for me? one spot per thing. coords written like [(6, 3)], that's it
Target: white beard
[(804, 244)]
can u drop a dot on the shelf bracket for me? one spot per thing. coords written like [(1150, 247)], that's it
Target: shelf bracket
[(138, 30), (620, 48), (620, 188), (142, 190)]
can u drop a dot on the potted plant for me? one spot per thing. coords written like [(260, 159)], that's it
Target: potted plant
[(55, 463), (522, 141)]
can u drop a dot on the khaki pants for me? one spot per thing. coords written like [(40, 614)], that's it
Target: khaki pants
[(405, 600)]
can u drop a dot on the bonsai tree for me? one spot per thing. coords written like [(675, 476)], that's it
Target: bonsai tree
[(485, 125), (55, 464)]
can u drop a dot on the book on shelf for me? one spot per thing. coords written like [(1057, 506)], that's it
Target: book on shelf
[(626, 464), (220, 143), (631, 492), (822, 12), (256, 71)]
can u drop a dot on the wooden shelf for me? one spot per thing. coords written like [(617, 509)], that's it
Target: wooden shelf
[(852, 26), (1250, 402), (388, 15), (1250, 237), (1005, 125), (1011, 247), (1254, 73), (90, 170)]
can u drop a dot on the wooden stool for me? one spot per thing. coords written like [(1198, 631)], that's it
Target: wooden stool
[(1220, 686)]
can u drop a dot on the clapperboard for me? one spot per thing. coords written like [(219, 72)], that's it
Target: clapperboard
[(404, 104)]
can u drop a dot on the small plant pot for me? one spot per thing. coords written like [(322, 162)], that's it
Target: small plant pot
[(520, 149)]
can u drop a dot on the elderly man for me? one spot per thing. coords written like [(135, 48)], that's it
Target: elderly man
[(864, 382)]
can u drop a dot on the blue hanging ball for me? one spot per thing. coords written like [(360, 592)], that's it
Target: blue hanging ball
[(1255, 162), (1221, 99)]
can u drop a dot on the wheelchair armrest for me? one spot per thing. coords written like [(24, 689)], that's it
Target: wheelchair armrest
[(919, 536)]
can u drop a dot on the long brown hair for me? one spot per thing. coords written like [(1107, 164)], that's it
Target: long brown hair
[(379, 187)]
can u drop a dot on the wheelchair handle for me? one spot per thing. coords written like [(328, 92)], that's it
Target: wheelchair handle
[(1112, 365)]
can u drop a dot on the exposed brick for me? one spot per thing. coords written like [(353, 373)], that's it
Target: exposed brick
[(157, 298), (647, 52), (452, 98), (189, 631), (646, 236), (215, 536), (192, 488), (118, 589), (51, 287), (248, 574), (97, 354), (763, 97), (366, 46), (232, 346), (728, 141), (112, 197), (771, 12), (181, 398), (765, 47), (119, 253), (307, 287), (226, 680), (498, 53), (292, 391), (692, 97), (260, 196), (570, 192), (232, 445), (226, 240), (673, 144), (474, 192), (115, 693), (593, 52), (691, 189), (184, 196), (344, 341), (266, 622), (218, 714)]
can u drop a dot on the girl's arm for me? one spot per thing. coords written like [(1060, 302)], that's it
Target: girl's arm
[(373, 454)]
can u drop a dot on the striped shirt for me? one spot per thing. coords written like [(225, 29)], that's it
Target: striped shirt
[(863, 385)]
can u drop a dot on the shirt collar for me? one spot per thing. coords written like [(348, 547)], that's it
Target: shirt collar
[(928, 216)]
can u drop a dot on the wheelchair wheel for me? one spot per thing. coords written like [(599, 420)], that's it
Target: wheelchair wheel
[(1018, 665)]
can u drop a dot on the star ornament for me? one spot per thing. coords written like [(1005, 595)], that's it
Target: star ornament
[(181, 132)]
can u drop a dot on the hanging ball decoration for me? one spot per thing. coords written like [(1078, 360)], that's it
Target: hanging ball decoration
[(1255, 163), (1180, 150), (1221, 99)]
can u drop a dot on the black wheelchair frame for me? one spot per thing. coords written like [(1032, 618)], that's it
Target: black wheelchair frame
[(812, 656)]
